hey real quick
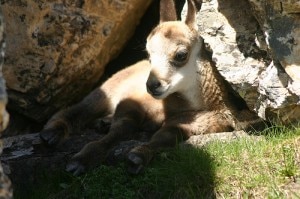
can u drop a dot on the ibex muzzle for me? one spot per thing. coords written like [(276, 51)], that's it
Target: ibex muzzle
[(156, 87)]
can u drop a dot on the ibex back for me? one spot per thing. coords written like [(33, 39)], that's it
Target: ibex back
[(176, 94)]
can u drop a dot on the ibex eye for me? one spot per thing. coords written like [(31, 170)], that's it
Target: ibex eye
[(181, 56)]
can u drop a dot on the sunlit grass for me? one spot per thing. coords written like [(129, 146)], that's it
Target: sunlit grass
[(258, 166)]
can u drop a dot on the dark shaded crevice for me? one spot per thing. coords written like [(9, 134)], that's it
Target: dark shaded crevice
[(134, 50)]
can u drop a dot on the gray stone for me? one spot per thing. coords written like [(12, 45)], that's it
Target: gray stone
[(199, 141), (280, 82), (255, 45)]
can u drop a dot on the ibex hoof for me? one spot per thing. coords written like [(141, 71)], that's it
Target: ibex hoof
[(135, 162), (76, 168), (52, 137)]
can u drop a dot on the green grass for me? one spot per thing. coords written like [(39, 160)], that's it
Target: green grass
[(265, 166), (259, 168)]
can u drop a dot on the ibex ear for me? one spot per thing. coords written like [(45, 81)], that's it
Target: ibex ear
[(167, 11), (193, 7)]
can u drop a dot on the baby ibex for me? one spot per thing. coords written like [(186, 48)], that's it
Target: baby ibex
[(176, 94)]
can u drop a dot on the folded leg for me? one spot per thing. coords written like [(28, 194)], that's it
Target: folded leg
[(125, 125), (175, 130)]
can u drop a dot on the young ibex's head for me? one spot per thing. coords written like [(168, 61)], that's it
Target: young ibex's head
[(173, 48)]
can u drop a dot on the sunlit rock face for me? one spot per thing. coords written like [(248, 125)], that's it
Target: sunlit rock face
[(280, 82), (256, 47), (57, 50)]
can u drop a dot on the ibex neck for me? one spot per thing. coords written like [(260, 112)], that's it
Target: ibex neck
[(211, 84), (204, 91)]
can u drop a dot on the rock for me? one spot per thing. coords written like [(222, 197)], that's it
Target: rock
[(5, 184), (199, 141), (255, 45), (280, 22), (280, 82), (57, 50), (232, 42), (36, 159)]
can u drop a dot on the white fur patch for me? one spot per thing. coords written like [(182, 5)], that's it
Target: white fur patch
[(185, 80), (158, 50)]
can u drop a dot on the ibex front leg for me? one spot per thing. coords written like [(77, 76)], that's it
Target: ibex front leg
[(124, 126), (177, 129), (74, 118)]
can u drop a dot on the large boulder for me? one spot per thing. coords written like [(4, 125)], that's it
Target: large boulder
[(5, 185), (255, 45), (279, 87), (57, 50)]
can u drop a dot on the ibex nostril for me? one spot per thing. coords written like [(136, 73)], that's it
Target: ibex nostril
[(156, 84), (153, 83)]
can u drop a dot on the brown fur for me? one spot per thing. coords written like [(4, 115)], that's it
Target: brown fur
[(217, 108)]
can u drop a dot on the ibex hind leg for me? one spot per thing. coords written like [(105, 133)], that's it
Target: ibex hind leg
[(126, 123), (249, 121), (176, 130), (74, 118)]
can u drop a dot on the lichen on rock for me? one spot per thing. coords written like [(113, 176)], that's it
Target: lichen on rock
[(57, 50)]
